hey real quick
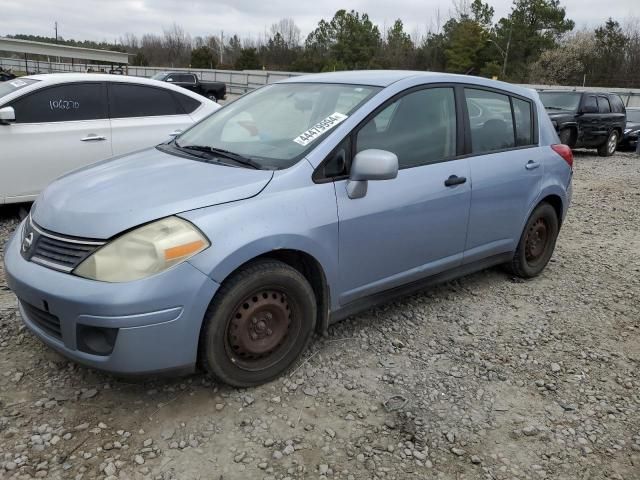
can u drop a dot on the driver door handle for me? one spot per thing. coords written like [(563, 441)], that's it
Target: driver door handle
[(93, 138), (454, 180), (531, 165)]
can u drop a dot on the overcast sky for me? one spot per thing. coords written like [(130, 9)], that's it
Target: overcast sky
[(109, 19)]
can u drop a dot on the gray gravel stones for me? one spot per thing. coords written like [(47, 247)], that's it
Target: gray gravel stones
[(503, 379)]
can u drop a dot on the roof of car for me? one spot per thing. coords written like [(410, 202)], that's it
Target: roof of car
[(96, 77), (577, 91), (384, 78), (56, 78)]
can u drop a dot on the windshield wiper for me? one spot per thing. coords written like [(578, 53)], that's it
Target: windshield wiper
[(242, 160), (248, 162)]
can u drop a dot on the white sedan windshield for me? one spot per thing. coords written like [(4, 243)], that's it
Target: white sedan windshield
[(277, 124)]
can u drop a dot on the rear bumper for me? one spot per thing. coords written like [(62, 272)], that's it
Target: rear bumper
[(157, 319)]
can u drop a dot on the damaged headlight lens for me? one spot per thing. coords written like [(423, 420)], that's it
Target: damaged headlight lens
[(145, 251)]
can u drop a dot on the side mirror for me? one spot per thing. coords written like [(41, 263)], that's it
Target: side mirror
[(7, 115), (589, 109), (370, 165)]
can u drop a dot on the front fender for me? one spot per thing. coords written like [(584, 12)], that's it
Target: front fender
[(302, 218)]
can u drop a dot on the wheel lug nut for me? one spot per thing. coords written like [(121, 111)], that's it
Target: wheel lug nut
[(269, 332), (254, 336), (254, 320), (269, 316)]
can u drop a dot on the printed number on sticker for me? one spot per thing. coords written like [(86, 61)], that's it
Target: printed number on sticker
[(305, 138)]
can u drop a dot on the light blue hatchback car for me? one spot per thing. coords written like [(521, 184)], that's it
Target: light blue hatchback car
[(291, 208)]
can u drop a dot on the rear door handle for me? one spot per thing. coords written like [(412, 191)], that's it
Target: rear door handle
[(454, 180), (93, 138), (531, 165)]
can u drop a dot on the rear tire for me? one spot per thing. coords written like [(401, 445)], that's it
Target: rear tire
[(609, 147), (260, 321), (537, 242)]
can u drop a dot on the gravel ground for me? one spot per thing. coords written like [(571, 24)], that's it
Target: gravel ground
[(493, 378)]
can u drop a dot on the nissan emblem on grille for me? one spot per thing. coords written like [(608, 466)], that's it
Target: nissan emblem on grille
[(27, 242)]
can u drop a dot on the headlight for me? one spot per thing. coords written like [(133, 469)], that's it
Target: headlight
[(144, 251)]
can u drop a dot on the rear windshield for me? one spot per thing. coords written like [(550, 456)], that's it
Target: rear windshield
[(560, 100), (16, 84)]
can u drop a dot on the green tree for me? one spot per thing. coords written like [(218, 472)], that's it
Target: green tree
[(203, 57), (465, 41), (532, 27), (608, 54), (248, 60), (140, 60), (349, 40), (398, 50)]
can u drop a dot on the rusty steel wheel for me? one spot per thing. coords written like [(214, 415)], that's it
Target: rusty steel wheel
[(537, 242), (259, 322), (258, 327)]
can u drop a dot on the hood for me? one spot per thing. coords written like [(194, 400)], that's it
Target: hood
[(105, 199)]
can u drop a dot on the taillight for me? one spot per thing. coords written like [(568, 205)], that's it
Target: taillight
[(565, 152)]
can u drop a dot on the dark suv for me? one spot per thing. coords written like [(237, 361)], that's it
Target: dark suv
[(587, 119)]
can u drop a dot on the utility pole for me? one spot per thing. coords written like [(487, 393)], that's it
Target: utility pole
[(221, 45), (56, 29)]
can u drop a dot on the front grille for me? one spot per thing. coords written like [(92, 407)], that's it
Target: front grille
[(63, 254), (46, 321), (52, 250)]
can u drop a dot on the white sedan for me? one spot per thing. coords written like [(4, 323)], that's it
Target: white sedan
[(51, 124)]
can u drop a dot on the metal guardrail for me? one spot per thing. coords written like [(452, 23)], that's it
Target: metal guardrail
[(240, 82)]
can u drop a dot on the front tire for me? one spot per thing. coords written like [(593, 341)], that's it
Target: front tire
[(258, 324), (537, 242), (609, 147)]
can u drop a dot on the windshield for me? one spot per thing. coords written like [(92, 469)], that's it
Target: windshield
[(560, 100), (633, 116), (159, 76), (276, 125), (16, 84)]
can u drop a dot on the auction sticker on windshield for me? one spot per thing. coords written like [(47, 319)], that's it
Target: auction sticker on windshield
[(18, 83), (305, 138)]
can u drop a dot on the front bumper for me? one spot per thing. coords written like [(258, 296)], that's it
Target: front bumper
[(158, 319), (629, 141)]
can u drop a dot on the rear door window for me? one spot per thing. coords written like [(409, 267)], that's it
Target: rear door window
[(129, 100), (590, 102), (603, 105), (62, 103), (491, 121)]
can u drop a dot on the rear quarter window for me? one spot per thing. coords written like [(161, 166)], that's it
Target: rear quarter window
[(188, 104)]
